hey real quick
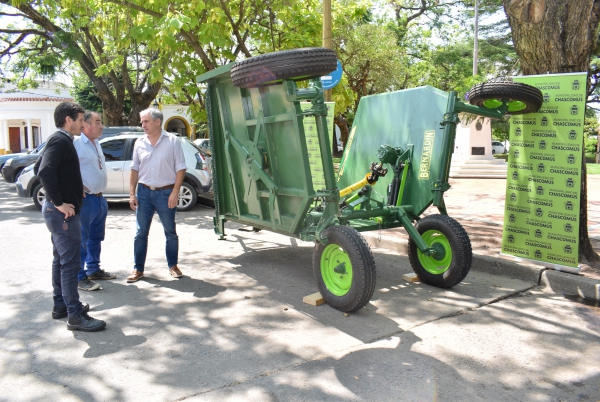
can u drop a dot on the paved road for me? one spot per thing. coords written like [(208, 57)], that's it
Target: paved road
[(235, 328)]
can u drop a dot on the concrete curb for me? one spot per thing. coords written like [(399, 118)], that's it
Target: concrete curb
[(561, 282), (555, 281)]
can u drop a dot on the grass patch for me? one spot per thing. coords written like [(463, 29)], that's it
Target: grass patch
[(593, 168), (336, 160)]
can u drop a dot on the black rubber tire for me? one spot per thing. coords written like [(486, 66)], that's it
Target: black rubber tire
[(17, 174), (207, 199), (38, 192), (459, 243), (512, 91), (295, 64), (363, 269), (187, 197)]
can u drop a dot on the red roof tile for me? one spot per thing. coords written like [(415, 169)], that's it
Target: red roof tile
[(34, 99)]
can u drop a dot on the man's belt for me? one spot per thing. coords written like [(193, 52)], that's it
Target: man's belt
[(158, 188), (97, 195)]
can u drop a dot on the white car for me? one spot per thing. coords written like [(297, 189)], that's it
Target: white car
[(117, 150), (498, 147), (204, 145)]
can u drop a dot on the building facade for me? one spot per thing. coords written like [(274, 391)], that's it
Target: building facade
[(27, 117)]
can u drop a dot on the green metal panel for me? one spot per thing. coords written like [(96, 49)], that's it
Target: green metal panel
[(261, 169), (398, 119)]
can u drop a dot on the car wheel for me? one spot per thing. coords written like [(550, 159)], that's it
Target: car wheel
[(39, 195), (295, 64), (187, 197), (207, 199), (493, 152), (17, 174)]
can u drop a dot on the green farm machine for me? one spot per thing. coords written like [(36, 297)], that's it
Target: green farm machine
[(264, 170)]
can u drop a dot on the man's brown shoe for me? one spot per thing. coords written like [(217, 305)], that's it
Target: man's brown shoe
[(135, 276), (175, 272)]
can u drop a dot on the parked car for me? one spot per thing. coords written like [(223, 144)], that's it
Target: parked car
[(204, 144), (118, 152), (112, 131), (4, 158), (15, 165), (498, 147)]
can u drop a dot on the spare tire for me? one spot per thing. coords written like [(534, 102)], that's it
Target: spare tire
[(295, 64), (521, 98)]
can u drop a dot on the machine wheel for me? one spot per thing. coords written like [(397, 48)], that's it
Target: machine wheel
[(447, 235), (39, 195), (187, 197), (344, 269), (522, 98), (295, 64)]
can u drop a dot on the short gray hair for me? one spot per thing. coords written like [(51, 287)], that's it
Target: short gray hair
[(154, 113), (87, 116)]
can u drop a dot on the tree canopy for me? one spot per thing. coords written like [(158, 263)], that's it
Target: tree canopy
[(130, 49)]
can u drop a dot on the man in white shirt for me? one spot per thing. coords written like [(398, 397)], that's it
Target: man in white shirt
[(157, 171), (95, 208)]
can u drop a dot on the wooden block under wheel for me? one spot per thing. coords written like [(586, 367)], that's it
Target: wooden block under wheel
[(410, 277), (314, 300)]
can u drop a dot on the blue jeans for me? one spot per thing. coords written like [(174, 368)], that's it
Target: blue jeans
[(93, 221), (66, 241), (148, 202)]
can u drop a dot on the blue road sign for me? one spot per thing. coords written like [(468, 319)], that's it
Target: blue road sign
[(334, 78)]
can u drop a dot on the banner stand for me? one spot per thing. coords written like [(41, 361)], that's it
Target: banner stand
[(541, 214)]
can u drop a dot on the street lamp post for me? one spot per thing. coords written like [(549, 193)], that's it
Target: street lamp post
[(327, 35), (476, 39)]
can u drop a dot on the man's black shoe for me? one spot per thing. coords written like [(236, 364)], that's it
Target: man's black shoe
[(61, 312), (84, 322)]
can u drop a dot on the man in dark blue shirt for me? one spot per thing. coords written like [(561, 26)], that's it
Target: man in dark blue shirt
[(58, 171)]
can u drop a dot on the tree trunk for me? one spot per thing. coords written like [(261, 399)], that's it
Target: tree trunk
[(140, 101), (557, 36), (585, 247), (597, 156), (342, 123)]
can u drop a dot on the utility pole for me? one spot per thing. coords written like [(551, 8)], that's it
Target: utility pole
[(476, 39), (327, 35)]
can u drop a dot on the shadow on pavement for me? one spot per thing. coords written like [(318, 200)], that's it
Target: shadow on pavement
[(197, 287)]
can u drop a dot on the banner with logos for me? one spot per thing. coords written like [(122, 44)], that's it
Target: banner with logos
[(312, 143), (541, 217)]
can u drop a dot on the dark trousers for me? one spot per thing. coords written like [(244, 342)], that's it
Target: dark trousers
[(66, 243)]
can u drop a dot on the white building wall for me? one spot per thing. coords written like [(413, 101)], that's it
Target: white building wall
[(470, 136), (30, 108), (178, 116)]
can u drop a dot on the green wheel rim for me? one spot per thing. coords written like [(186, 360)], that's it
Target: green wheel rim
[(430, 263), (336, 270), (513, 105)]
